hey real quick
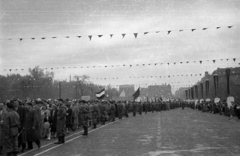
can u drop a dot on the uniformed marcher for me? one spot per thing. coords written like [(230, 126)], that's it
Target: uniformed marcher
[(61, 120), (140, 108), (120, 109), (112, 112), (134, 109), (95, 114), (126, 109), (11, 124), (85, 117), (3, 113), (145, 107)]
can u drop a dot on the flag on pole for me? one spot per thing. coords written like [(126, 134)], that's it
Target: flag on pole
[(136, 94), (100, 94)]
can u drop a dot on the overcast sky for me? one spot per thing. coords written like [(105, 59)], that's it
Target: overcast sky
[(35, 19)]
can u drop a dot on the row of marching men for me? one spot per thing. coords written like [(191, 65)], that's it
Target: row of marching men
[(46, 119)]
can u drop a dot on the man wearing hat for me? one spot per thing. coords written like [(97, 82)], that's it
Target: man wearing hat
[(85, 117), (61, 120), (2, 116), (11, 124)]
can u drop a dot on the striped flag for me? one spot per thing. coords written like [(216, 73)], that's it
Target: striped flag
[(100, 94)]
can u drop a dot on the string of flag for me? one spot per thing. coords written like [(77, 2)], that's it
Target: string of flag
[(73, 86), (135, 34), (166, 76), (127, 65)]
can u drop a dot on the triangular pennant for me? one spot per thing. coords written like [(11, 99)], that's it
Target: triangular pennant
[(180, 30), (204, 29), (100, 36), (43, 38), (79, 36), (234, 59), (168, 63), (111, 35), (169, 31), (54, 37), (187, 61), (67, 37), (174, 62), (155, 64), (135, 34), (145, 33), (230, 26), (123, 35), (214, 61), (227, 59), (33, 38), (20, 39), (157, 31), (200, 62), (218, 27), (193, 30), (90, 37)]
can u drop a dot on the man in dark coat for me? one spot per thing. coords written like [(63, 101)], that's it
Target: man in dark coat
[(69, 118), (11, 124), (61, 122), (33, 129), (53, 116), (22, 115)]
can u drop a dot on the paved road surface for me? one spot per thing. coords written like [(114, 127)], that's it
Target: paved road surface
[(168, 133)]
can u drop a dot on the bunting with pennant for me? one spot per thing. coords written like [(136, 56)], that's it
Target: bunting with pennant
[(123, 34), (130, 65)]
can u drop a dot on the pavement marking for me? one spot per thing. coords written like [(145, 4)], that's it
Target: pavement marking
[(73, 139), (48, 144)]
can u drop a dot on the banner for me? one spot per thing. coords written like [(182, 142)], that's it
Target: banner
[(192, 92), (201, 85), (228, 80), (196, 91), (186, 92), (215, 79), (136, 94), (101, 94), (207, 88), (189, 93)]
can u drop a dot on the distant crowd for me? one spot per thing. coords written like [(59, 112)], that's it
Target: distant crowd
[(220, 107), (23, 123)]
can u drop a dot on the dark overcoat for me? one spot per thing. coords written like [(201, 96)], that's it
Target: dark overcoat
[(33, 125), (22, 138)]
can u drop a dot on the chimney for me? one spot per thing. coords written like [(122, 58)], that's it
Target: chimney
[(206, 73)]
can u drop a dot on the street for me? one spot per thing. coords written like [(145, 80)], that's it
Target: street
[(176, 133)]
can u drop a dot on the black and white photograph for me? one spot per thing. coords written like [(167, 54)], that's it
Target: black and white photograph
[(119, 78)]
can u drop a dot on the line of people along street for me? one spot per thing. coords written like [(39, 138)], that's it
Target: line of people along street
[(221, 107), (25, 123)]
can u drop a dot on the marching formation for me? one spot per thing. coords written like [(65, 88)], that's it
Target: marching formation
[(23, 123)]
